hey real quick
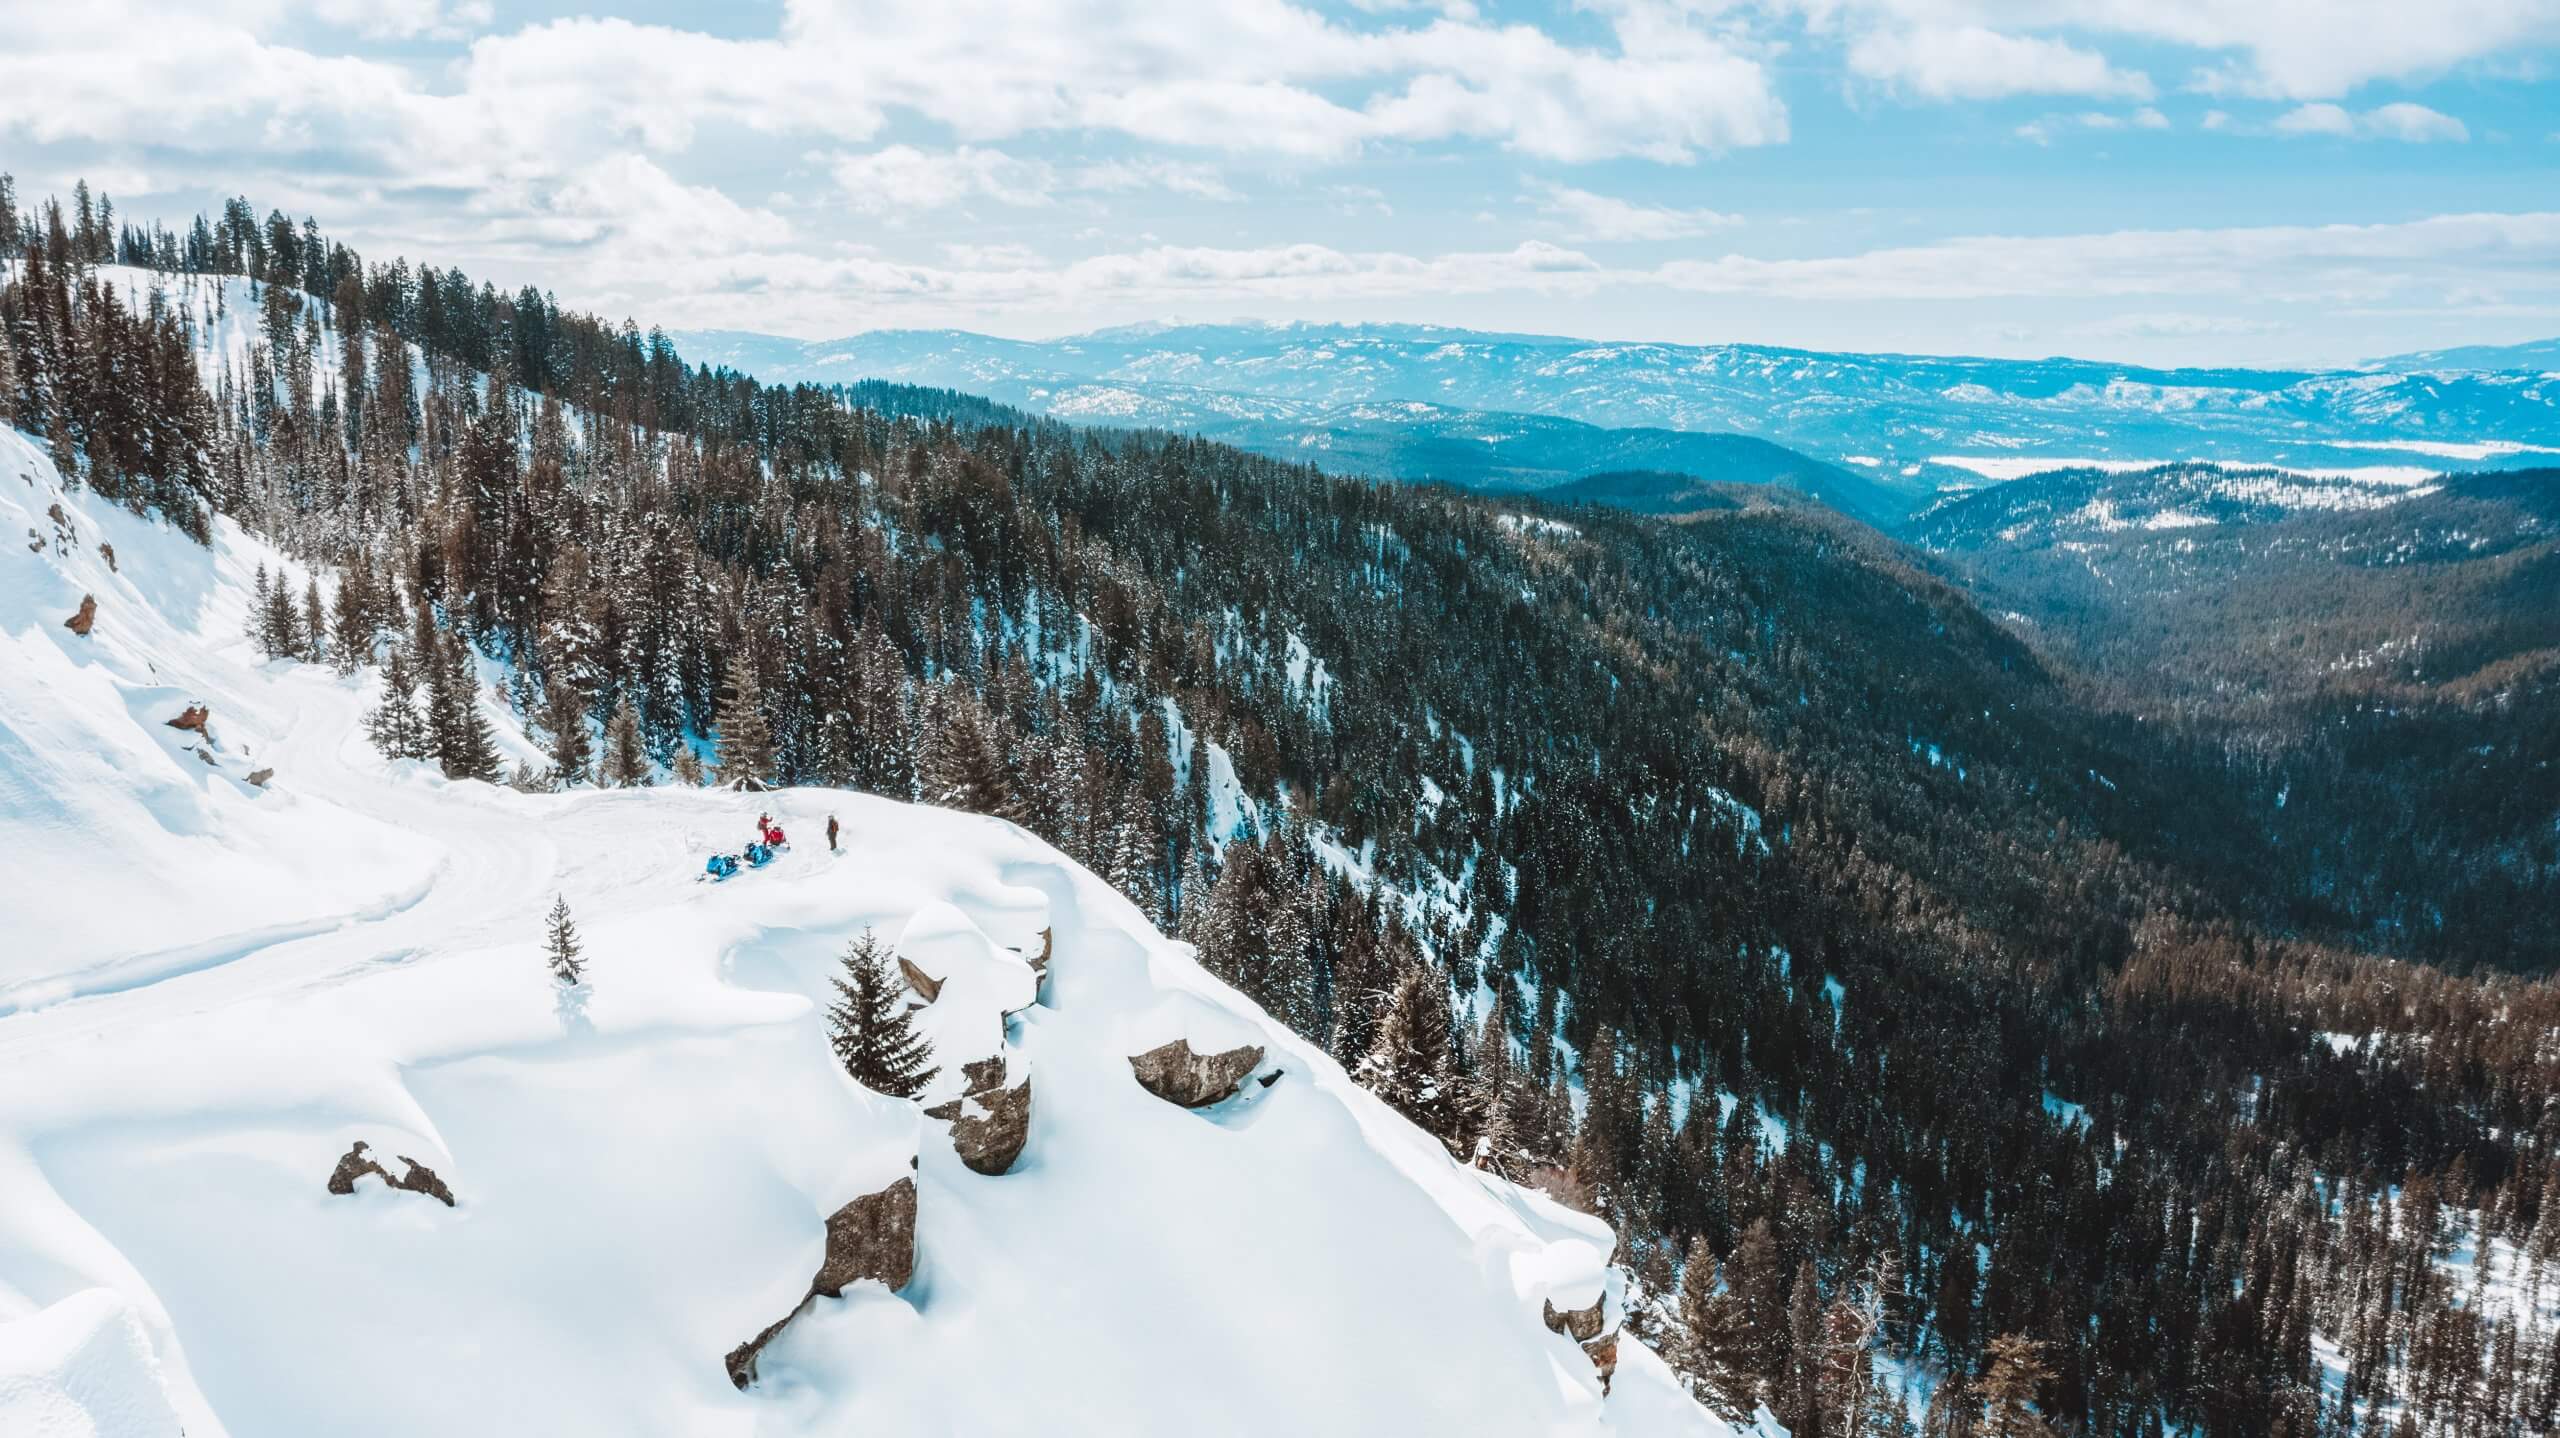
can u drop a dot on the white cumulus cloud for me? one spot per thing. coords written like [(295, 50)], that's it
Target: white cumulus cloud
[(1604, 219), (1972, 62), (2415, 124)]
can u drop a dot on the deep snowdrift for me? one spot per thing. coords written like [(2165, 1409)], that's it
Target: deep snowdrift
[(210, 988)]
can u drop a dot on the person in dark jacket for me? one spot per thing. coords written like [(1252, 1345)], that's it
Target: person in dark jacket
[(831, 833)]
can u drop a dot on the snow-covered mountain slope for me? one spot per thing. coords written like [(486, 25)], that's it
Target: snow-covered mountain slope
[(2080, 504), (1919, 422), (218, 986)]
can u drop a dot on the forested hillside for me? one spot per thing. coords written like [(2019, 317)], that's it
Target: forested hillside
[(1947, 1046), (2377, 667)]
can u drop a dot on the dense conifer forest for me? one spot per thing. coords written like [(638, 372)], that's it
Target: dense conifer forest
[(1926, 1021)]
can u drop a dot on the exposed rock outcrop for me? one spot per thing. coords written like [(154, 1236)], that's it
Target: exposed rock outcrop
[(872, 1237), (927, 987), (1174, 1073), (196, 718), (1590, 1328), (260, 777), (1580, 1324), (1603, 1353), (418, 1179), (990, 1122), (79, 623)]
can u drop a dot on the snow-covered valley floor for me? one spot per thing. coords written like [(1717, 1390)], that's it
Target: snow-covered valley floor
[(210, 988)]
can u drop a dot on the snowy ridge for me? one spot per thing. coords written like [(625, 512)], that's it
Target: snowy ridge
[(349, 951)]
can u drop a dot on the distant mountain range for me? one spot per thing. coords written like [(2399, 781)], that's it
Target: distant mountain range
[(1876, 435), (2534, 356)]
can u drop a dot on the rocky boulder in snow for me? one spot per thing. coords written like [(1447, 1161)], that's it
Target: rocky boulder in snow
[(79, 623), (196, 719), (1580, 1324), (1177, 1075), (419, 1178), (927, 987), (1590, 1327), (873, 1237), (991, 1121), (1603, 1353)]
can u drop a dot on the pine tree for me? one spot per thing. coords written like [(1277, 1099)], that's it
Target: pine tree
[(315, 623), (564, 715), (1954, 1410), (1493, 1097), (1721, 1353), (961, 767), (745, 753), (1952, 1318), (560, 944), (273, 621), (1752, 1278), (875, 1036), (465, 747), (1802, 1410), (351, 623), (2014, 1370), (1191, 894), (687, 768), (1407, 1064), (8, 368), (282, 630), (396, 727), (1251, 935), (262, 608), (626, 761)]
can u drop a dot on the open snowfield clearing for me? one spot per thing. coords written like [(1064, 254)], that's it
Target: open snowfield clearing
[(212, 987)]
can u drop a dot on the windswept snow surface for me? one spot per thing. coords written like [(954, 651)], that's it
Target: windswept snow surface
[(214, 988)]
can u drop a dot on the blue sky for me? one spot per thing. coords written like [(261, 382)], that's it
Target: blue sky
[(2172, 182)]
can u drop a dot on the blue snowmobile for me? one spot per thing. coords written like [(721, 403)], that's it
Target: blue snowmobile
[(721, 866), (759, 854)]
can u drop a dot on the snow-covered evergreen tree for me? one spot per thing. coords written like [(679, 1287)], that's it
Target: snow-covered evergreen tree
[(875, 1037), (687, 768), (961, 766), (2014, 1372), (262, 594), (564, 715), (1493, 1098), (560, 943), (745, 753), (351, 621), (626, 759), (1408, 1063), (395, 726), (273, 620), (465, 746), (8, 379), (1252, 935), (314, 633), (1720, 1350)]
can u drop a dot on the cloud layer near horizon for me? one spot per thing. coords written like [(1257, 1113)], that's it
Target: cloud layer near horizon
[(1040, 166)]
